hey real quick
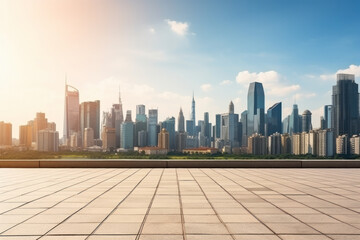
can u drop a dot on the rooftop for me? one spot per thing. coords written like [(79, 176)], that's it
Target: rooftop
[(191, 204)]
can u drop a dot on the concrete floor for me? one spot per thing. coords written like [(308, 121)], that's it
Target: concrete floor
[(172, 204)]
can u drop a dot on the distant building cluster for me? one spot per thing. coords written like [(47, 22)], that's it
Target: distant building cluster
[(254, 131)]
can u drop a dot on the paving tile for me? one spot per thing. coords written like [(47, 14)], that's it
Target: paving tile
[(162, 228), (242, 204), (248, 228)]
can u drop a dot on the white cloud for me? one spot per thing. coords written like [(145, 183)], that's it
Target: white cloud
[(352, 69), (180, 28), (206, 87), (270, 80), (226, 82), (152, 30)]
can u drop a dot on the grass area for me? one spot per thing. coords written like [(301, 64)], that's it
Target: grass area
[(11, 154)]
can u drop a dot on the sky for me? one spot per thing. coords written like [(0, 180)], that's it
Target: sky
[(159, 52)]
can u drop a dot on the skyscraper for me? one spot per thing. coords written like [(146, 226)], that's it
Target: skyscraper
[(163, 139), (127, 132), (72, 114), (25, 136), (328, 116), (256, 105), (5, 134), (273, 119), (181, 121), (205, 132), (306, 121), (152, 127), (169, 125), (243, 121), (90, 117), (229, 129), (48, 141), (193, 115), (345, 102), (231, 107), (294, 120), (140, 123), (117, 119)]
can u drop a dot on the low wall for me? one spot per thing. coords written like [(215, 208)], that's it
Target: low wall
[(173, 163)]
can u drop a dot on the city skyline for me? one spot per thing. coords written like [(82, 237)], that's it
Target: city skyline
[(160, 58)]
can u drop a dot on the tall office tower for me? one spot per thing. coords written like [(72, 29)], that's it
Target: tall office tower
[(286, 125), (25, 136), (273, 119), (323, 124), (274, 144), (164, 139), (257, 144), (229, 129), (140, 112), (205, 132), (127, 132), (108, 138), (40, 123), (285, 144), (345, 102), (328, 111), (217, 126), (181, 121), (244, 134), (306, 121), (72, 114), (140, 123), (193, 116), (342, 144), (142, 138), (325, 143), (152, 127), (294, 120), (117, 118), (169, 125), (231, 107), (190, 127), (48, 141), (5, 134), (90, 117), (88, 139), (180, 141), (256, 105), (296, 143)]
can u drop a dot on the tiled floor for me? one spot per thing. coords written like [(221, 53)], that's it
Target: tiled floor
[(172, 204)]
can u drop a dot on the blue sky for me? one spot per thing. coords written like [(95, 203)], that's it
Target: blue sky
[(159, 52)]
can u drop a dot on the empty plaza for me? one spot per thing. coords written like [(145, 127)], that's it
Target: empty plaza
[(180, 203)]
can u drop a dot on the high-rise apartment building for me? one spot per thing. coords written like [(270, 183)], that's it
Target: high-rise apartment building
[(274, 144), (257, 144), (88, 138), (25, 136), (229, 133), (47, 141), (5, 134), (342, 144)]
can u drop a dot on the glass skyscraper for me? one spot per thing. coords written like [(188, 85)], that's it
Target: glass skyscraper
[(345, 102), (152, 127), (273, 119), (71, 112), (255, 107), (328, 116)]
